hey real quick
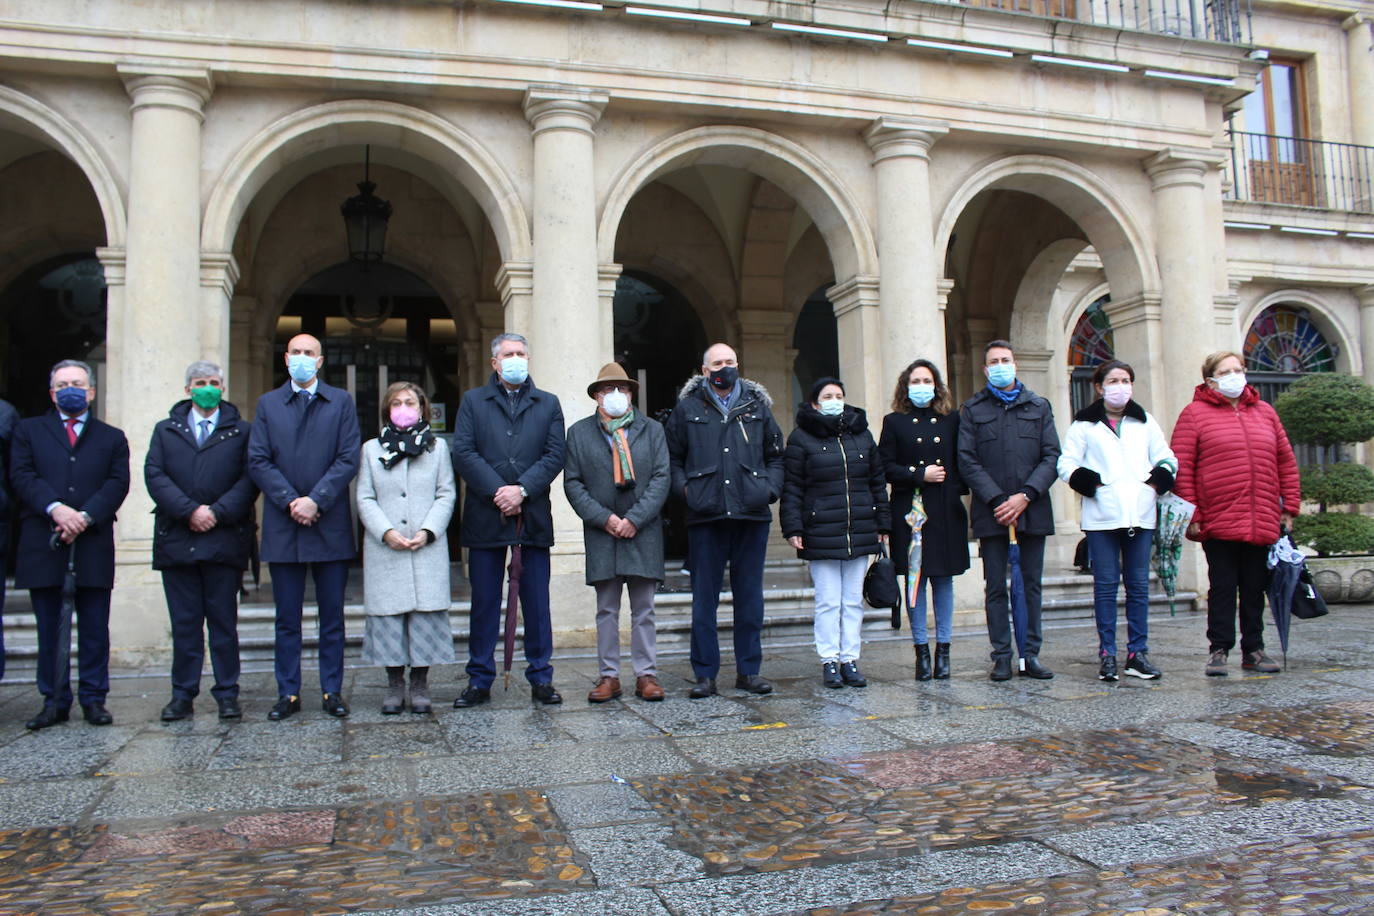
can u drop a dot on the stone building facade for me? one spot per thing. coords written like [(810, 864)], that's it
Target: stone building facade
[(832, 186)]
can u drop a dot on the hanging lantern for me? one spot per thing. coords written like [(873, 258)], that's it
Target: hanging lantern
[(365, 219)]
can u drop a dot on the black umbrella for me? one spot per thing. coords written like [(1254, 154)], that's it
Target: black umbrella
[(1018, 592), (62, 668), (516, 569), (1286, 566)]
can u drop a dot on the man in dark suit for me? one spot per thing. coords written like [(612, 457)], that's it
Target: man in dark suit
[(70, 473), (9, 417), (508, 447), (302, 453), (197, 475)]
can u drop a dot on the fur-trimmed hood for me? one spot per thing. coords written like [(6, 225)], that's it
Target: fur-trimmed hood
[(1096, 412), (699, 383)]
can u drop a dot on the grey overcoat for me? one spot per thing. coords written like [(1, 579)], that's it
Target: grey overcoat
[(589, 482), (416, 493)]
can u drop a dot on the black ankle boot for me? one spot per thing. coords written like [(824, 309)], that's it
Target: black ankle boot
[(942, 661), (922, 662), (395, 700)]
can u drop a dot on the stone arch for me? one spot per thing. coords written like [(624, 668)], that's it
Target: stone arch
[(355, 122), (1327, 319), (28, 116), (785, 163), (1083, 197), (1032, 320)]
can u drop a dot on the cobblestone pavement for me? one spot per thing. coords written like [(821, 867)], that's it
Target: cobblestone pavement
[(1245, 794)]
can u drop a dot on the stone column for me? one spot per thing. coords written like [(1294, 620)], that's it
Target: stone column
[(1359, 35), (1365, 295), (1186, 269), (859, 322), (219, 273), (159, 330), (606, 277), (515, 285), (244, 358), (569, 340), (1138, 333), (912, 323)]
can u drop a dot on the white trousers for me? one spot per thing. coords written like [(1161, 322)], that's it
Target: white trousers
[(839, 607)]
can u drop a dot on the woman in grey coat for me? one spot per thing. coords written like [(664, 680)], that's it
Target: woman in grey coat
[(616, 479), (405, 500)]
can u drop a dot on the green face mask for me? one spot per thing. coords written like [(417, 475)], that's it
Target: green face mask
[(207, 397)]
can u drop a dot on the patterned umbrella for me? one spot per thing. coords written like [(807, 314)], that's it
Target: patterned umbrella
[(1173, 513), (916, 518)]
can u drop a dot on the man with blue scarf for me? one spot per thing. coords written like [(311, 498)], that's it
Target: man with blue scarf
[(1008, 451)]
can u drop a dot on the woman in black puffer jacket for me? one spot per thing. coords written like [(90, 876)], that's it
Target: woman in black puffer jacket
[(834, 511)]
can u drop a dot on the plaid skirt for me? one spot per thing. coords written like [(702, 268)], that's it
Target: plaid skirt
[(419, 638)]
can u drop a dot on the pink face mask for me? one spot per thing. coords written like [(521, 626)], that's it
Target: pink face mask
[(404, 417), (1116, 396)]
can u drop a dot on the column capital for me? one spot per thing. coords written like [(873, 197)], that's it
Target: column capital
[(184, 88), (564, 108), (891, 137), (1355, 20), (1034, 360), (942, 290), (859, 291), (607, 275), (1125, 312), (1174, 166), (114, 261), (514, 278), (219, 270), (766, 324), (1366, 296)]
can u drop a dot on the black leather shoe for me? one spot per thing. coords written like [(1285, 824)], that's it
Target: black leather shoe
[(471, 696), (177, 710), (851, 674), (704, 687), (285, 708), (96, 714), (333, 703), (229, 708), (544, 693), (1001, 668), (48, 715), (1031, 667), (756, 684), (830, 675)]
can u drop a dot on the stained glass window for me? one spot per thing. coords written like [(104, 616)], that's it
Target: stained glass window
[(1091, 343), (1284, 339)]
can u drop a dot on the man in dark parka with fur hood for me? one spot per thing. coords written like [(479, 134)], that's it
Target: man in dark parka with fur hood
[(726, 451)]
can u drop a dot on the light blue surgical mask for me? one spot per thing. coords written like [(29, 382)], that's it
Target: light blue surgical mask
[(920, 395), (302, 367), (1002, 374), (832, 408), (514, 370)]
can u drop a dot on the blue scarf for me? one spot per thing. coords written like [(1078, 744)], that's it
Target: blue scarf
[(1007, 397)]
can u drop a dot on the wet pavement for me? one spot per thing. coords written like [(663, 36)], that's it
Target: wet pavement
[(1244, 794)]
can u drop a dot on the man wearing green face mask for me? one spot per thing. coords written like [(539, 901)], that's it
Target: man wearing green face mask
[(197, 475)]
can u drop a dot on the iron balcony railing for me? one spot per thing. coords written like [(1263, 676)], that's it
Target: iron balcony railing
[(1211, 20), (1302, 173)]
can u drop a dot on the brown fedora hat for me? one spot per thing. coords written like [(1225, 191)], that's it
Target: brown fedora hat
[(612, 372)]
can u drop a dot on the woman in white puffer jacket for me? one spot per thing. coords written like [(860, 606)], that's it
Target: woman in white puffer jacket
[(1116, 456)]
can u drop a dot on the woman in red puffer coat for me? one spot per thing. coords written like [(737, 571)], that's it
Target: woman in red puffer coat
[(1236, 465)]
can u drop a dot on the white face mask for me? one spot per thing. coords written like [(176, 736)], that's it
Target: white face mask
[(1116, 396), (832, 408), (615, 403), (1231, 385)]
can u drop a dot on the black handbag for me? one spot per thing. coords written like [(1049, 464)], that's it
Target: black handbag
[(1307, 601), (880, 583)]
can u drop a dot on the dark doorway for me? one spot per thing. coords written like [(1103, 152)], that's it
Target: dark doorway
[(817, 342)]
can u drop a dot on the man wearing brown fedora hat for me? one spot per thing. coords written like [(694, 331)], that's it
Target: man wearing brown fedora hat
[(616, 478)]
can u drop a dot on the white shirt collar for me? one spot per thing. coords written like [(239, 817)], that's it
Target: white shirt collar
[(314, 384)]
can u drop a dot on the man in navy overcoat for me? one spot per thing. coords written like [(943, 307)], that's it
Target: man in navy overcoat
[(197, 474), (302, 454), (70, 474), (9, 418), (508, 447)]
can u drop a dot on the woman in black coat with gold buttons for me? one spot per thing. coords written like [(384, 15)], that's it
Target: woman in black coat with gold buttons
[(919, 447)]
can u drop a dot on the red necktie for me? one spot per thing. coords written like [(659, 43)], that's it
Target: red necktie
[(71, 430)]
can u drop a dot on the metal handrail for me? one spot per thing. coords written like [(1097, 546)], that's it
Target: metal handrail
[(1209, 20), (1299, 172)]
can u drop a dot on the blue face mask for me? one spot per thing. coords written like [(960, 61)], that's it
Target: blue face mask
[(72, 401), (301, 367), (514, 370), (920, 395), (1002, 374), (832, 408)]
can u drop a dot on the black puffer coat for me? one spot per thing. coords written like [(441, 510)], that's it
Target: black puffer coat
[(834, 493)]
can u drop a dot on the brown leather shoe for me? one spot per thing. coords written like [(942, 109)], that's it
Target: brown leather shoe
[(648, 688), (606, 689)]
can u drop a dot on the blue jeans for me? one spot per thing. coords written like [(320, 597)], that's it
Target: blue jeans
[(487, 569), (742, 544), (942, 592), (1121, 555)]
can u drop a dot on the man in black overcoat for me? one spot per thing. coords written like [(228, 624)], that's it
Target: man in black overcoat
[(70, 474), (197, 474), (9, 418)]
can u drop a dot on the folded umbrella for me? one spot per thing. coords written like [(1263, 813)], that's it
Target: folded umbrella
[(1172, 517), (1286, 566), (514, 570), (62, 645), (1017, 592)]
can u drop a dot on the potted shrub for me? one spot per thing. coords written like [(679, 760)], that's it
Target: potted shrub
[(1329, 410)]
